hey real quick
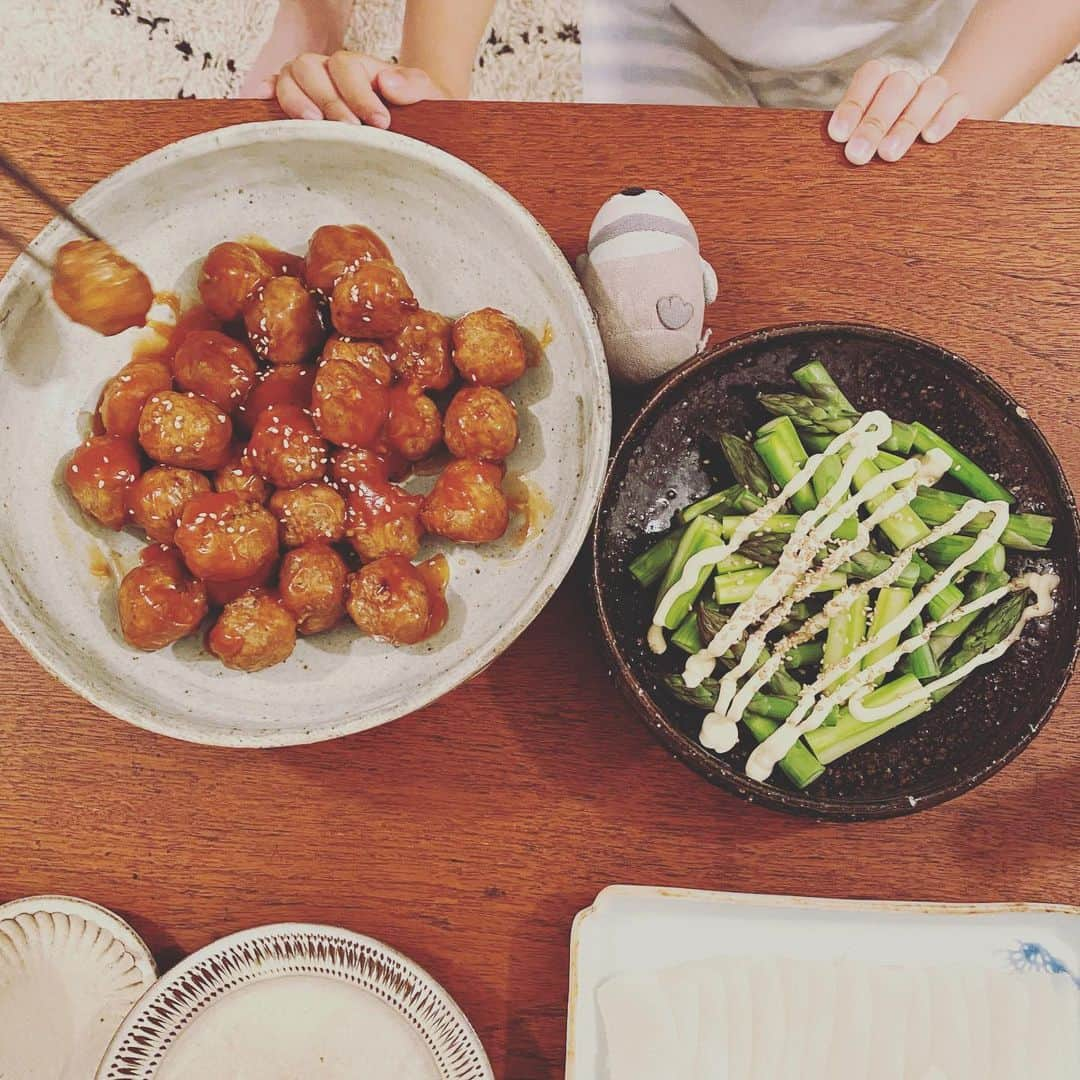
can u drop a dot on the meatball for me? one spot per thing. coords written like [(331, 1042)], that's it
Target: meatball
[(347, 466), (336, 249), (230, 274), (481, 423), (488, 349), (224, 537), (158, 601), (420, 351), (185, 430), (99, 475), (467, 504), (157, 499), (289, 385), (373, 301), (309, 513), (383, 519), (96, 287), (216, 366), (393, 600), (285, 448), (220, 593), (368, 355), (413, 427), (253, 632), (283, 322), (349, 406), (238, 474), (312, 587), (127, 392)]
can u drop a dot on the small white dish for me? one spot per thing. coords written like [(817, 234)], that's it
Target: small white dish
[(463, 243), (69, 973), (632, 929), (296, 1000)]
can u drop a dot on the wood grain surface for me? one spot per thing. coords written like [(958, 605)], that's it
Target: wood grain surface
[(469, 834)]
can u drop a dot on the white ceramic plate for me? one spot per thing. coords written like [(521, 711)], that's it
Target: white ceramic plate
[(635, 929), (69, 973), (293, 1000), (464, 243)]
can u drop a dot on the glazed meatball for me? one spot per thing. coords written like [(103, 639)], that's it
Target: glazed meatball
[(283, 322), (413, 427), (348, 405), (238, 474), (99, 476), (230, 275), (159, 601), (96, 287), (373, 301), (480, 423), (220, 593), (467, 504), (285, 448), (383, 519), (312, 587), (185, 430), (253, 632), (224, 537), (420, 352), (157, 499), (289, 385), (215, 366), (348, 466), (488, 349), (309, 513), (127, 392), (368, 355), (337, 249), (393, 600)]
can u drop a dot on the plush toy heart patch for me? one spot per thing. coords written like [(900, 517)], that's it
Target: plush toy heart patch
[(674, 311)]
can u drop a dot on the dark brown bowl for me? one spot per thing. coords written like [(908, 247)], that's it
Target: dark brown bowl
[(660, 465)]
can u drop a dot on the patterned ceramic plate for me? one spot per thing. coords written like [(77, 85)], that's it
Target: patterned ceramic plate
[(69, 973), (296, 1000)]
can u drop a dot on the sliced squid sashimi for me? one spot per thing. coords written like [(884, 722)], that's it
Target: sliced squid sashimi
[(950, 1045), (741, 1018), (890, 991), (799, 1006), (711, 1062), (919, 1027), (819, 1030), (850, 1050), (639, 1028), (769, 1020), (977, 990)]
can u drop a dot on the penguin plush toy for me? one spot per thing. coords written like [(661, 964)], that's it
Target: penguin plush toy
[(647, 282)]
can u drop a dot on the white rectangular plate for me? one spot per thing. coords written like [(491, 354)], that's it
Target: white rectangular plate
[(636, 929)]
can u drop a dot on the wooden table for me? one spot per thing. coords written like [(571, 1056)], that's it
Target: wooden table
[(468, 835)]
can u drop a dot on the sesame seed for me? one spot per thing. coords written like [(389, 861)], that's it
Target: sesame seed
[(101, 483)]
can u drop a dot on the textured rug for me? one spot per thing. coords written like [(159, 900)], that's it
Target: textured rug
[(201, 48)]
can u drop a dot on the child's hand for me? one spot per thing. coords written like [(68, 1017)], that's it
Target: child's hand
[(884, 113), (348, 86)]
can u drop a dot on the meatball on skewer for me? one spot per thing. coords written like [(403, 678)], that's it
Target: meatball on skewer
[(96, 287)]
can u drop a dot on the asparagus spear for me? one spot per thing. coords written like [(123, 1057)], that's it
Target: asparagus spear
[(720, 502), (903, 528), (686, 636), (963, 470), (701, 533), (747, 468), (945, 551), (783, 524), (862, 565), (845, 633), (739, 587), (1025, 532), (650, 565), (779, 447), (922, 663), (948, 634), (804, 655), (816, 417), (889, 603), (711, 621)]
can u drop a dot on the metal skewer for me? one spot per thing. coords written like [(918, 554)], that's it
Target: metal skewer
[(26, 181)]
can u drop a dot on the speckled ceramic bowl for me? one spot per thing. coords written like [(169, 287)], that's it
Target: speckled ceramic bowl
[(464, 243), (662, 463)]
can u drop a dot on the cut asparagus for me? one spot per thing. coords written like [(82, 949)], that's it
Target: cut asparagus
[(1025, 532), (805, 655), (701, 533), (823, 419), (784, 524), (711, 620), (650, 565), (687, 637), (904, 527), (799, 765), (846, 632), (737, 588), (963, 470), (945, 551), (890, 602), (949, 633), (784, 455), (747, 468), (921, 663), (721, 502), (817, 382)]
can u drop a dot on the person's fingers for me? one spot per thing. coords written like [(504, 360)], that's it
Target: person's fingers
[(857, 98), (407, 86), (293, 100), (889, 102), (265, 90), (353, 75), (931, 96), (948, 116), (311, 71)]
